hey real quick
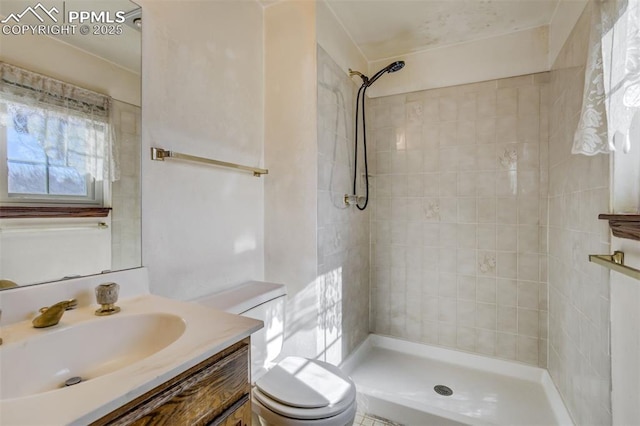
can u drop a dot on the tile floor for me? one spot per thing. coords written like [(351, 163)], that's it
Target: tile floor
[(364, 419)]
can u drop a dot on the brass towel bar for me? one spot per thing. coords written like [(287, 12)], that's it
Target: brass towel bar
[(47, 228), (160, 154), (615, 262)]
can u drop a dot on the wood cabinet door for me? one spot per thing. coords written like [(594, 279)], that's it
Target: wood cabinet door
[(201, 395)]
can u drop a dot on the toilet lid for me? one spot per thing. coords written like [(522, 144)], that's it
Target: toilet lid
[(307, 384)]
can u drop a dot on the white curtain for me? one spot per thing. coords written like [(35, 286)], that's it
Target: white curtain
[(612, 77), (37, 105)]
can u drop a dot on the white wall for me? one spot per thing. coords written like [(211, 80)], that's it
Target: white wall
[(564, 19), (38, 250), (52, 57), (625, 338), (291, 155), (625, 291), (513, 54), (202, 95), (290, 143), (337, 42)]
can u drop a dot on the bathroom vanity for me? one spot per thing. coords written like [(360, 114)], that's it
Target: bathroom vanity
[(157, 361), (214, 392)]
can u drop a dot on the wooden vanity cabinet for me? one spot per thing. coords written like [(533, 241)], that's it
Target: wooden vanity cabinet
[(215, 392)]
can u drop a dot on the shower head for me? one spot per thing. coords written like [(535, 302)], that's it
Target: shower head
[(392, 67), (396, 66), (366, 81)]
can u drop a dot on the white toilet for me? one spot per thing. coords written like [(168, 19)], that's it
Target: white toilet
[(293, 391)]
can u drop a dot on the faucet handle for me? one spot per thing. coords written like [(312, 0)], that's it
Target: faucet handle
[(107, 293), (107, 296)]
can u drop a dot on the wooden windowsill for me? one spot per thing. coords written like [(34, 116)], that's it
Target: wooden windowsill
[(623, 225), (20, 212)]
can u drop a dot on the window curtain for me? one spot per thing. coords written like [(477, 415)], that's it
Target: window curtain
[(612, 78), (43, 103)]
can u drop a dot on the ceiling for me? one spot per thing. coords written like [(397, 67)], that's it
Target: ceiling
[(389, 28)]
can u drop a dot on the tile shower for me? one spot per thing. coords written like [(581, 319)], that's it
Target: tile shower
[(579, 305), (343, 233), (126, 244), (458, 227), (479, 213)]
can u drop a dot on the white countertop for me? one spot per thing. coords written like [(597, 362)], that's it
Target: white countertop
[(207, 332)]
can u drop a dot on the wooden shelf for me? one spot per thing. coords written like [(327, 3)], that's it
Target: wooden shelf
[(623, 225), (20, 212)]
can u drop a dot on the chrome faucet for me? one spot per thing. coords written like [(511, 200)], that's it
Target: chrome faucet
[(51, 316)]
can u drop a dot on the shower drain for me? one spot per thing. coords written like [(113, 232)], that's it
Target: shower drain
[(443, 390)]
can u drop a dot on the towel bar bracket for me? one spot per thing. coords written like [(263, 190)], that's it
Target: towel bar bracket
[(159, 154)]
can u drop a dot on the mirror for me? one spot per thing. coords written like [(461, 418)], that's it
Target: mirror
[(69, 156)]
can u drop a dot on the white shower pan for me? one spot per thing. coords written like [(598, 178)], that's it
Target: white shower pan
[(395, 380)]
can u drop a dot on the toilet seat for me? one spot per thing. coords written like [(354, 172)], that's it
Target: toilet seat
[(299, 388), (271, 418)]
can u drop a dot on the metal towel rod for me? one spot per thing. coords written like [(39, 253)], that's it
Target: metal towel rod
[(55, 228), (160, 154), (615, 262)]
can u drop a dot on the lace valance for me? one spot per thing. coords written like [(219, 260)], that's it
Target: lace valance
[(612, 78), (32, 87), (69, 124)]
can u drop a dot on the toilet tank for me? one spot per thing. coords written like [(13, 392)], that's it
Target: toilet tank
[(262, 301)]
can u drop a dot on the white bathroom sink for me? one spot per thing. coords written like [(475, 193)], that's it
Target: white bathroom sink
[(87, 350), (119, 357)]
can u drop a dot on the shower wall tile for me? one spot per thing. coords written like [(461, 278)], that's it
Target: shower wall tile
[(579, 357), (126, 245), (456, 222), (343, 233)]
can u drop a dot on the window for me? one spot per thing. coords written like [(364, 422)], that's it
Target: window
[(610, 117), (621, 54), (56, 141)]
